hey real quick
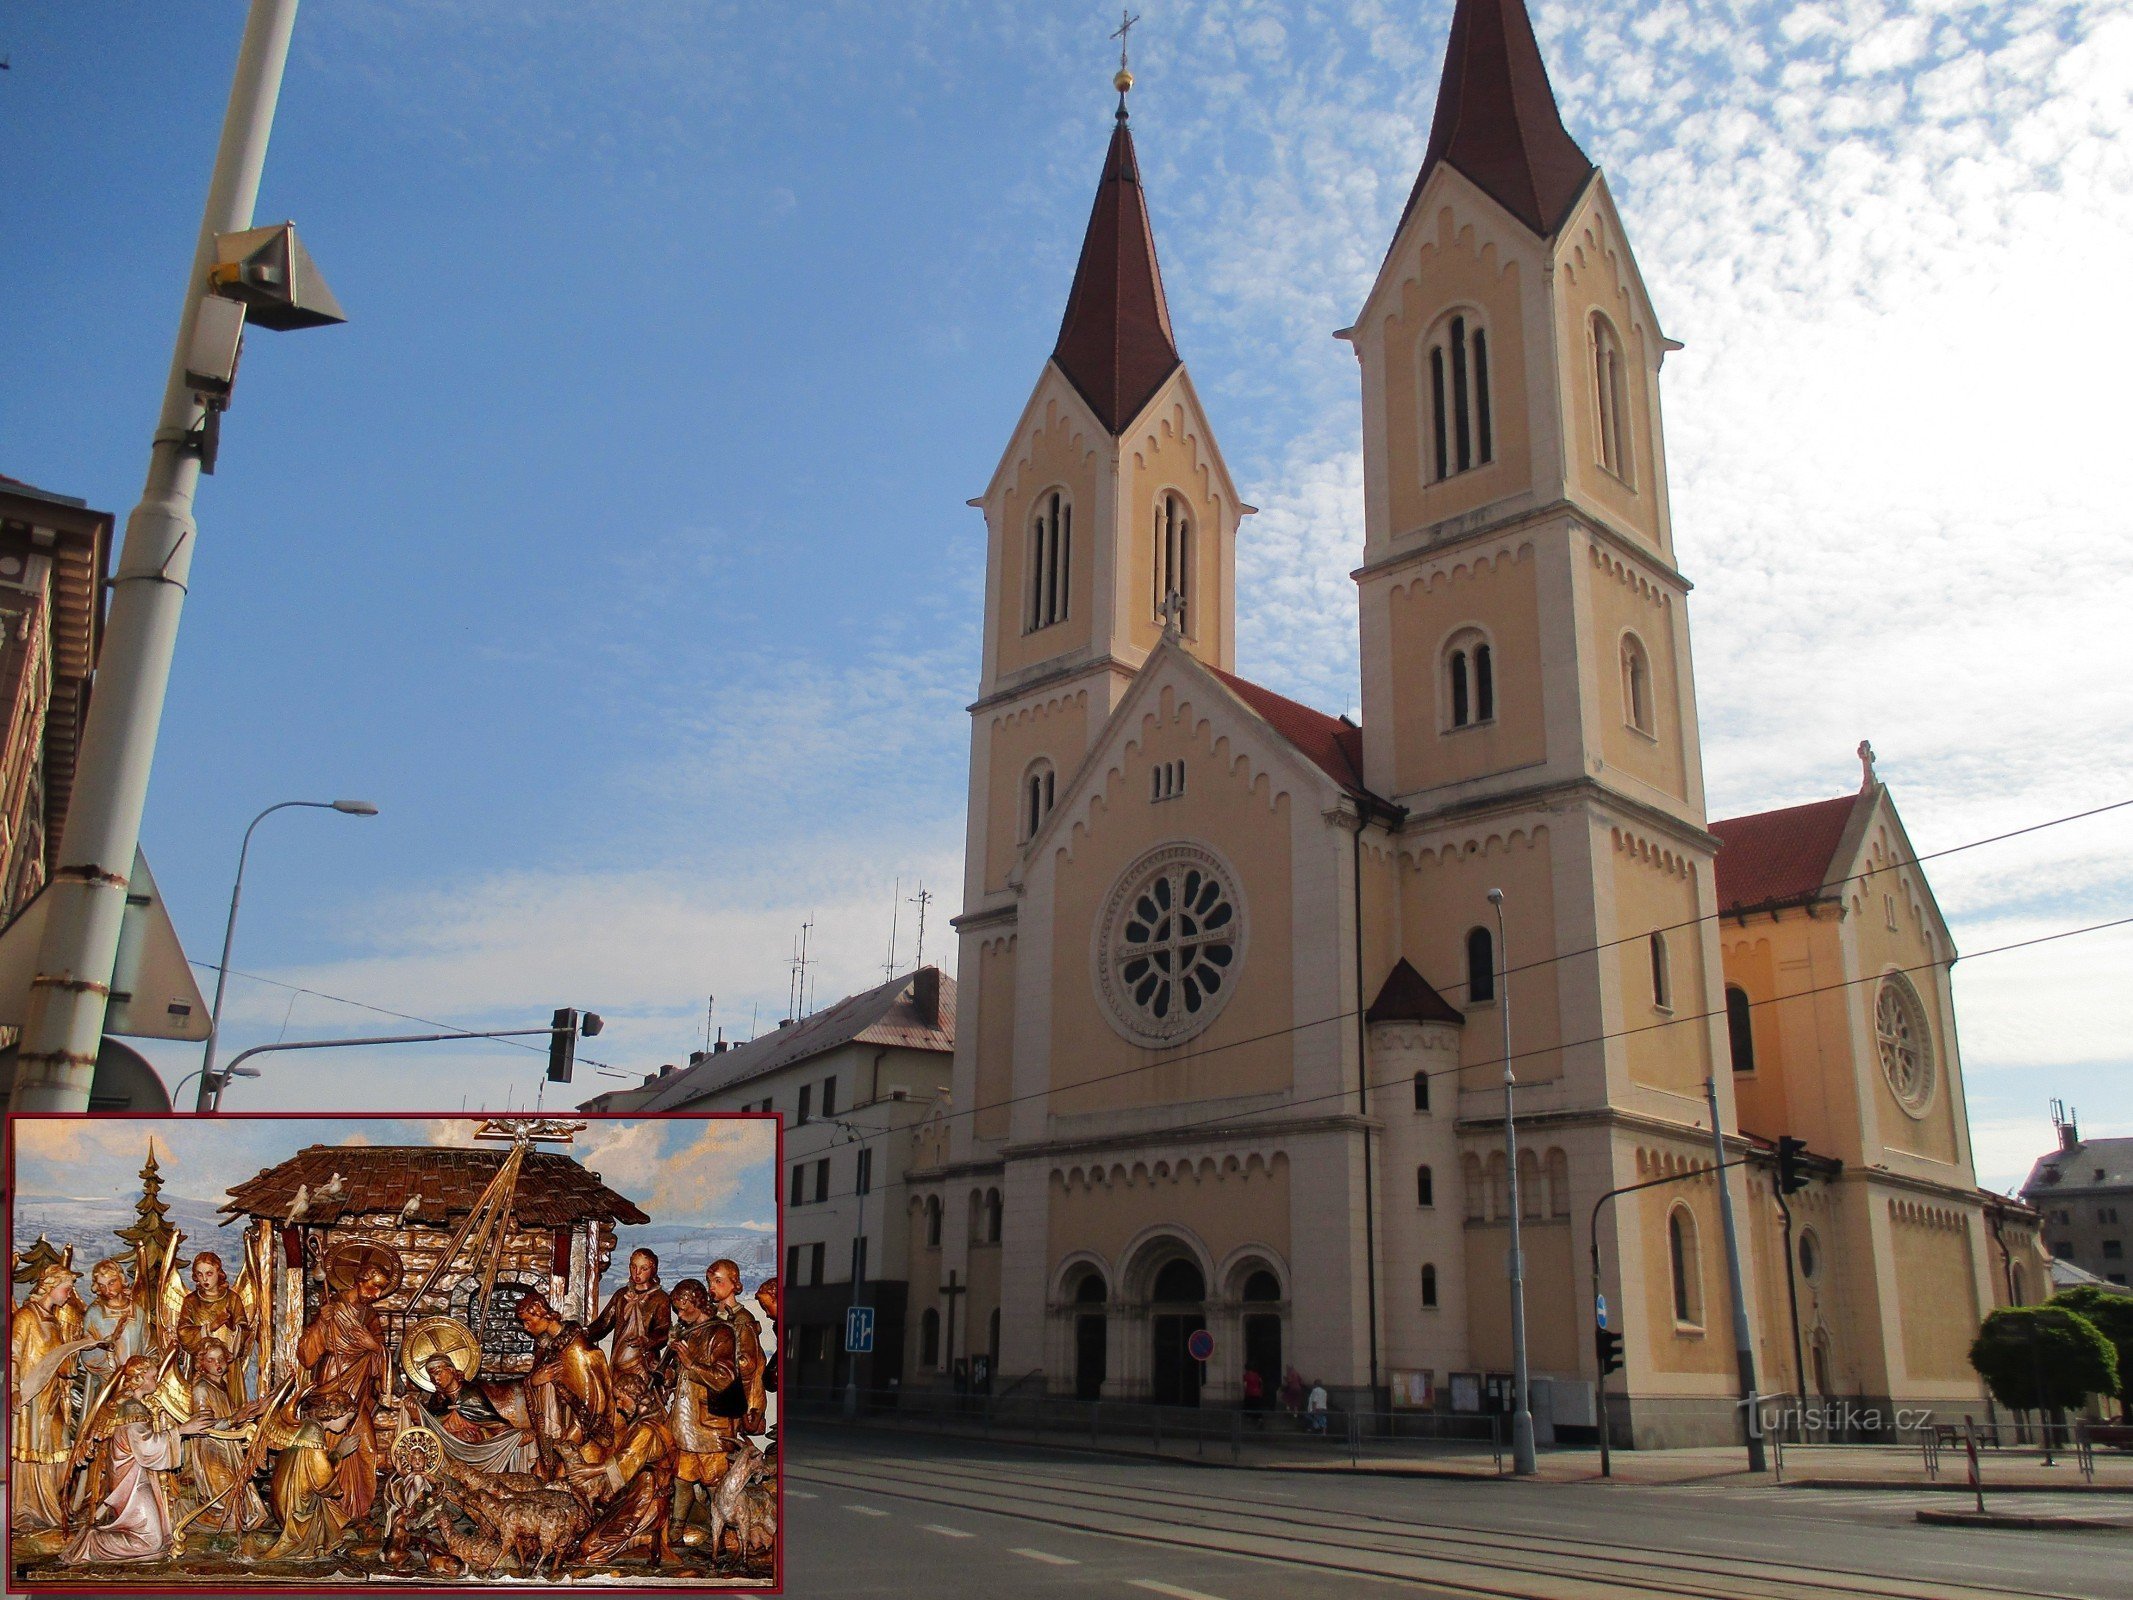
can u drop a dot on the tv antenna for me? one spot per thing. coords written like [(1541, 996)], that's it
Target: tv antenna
[(888, 967), (710, 1010), (922, 899)]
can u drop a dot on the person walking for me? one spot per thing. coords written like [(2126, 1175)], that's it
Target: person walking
[(1317, 1407), (1254, 1396), (1292, 1393)]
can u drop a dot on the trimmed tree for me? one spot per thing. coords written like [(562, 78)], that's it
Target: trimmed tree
[(2043, 1358), (2112, 1314)]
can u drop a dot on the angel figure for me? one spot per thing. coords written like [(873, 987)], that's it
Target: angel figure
[(141, 1444), (43, 1346), (220, 1479), (216, 1312)]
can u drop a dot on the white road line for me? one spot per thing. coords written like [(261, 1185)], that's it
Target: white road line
[(1046, 1557), (866, 1511), (801, 1494), (948, 1533), (1171, 1589)]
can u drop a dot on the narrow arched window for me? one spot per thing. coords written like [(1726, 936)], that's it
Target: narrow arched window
[(1469, 680), (929, 1339), (1558, 1165), (992, 1216), (1499, 1202), (1425, 1187), (1740, 1028), (933, 1222), (1173, 560), (1462, 691), (1636, 684), (1484, 684), (1532, 1198), (1611, 398), (1051, 555), (1662, 975), (1480, 966), (1429, 1286), (1039, 786), (1461, 435), (1687, 1268), (1422, 1091), (1476, 1204)]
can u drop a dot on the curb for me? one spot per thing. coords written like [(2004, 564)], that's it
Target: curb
[(1949, 1486), (2018, 1521)]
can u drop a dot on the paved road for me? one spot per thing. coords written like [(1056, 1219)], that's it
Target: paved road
[(877, 1513)]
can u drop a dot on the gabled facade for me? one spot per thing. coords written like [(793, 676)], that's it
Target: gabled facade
[(1230, 1051)]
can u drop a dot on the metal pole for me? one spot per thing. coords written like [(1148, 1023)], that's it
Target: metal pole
[(64, 1023), (1743, 1350), (1607, 1465), (1523, 1459), (1792, 1300), (243, 1056)]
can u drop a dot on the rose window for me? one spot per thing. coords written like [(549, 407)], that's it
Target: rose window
[(1906, 1045), (1170, 945)]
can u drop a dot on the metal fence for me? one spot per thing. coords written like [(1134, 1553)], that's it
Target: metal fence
[(1206, 1432)]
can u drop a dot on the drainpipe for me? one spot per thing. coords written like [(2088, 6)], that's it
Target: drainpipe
[(1362, 1101)]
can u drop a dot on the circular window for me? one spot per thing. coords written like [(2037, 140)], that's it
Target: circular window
[(1810, 1256), (1169, 945), (1906, 1045)]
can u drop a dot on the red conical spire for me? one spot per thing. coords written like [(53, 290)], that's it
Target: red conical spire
[(1115, 344), (1497, 120)]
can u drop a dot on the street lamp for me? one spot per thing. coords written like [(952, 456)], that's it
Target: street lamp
[(1523, 1460), (210, 1095)]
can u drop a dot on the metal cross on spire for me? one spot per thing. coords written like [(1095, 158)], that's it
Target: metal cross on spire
[(1123, 80)]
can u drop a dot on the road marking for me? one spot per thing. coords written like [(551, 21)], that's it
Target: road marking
[(801, 1494), (1046, 1557), (866, 1511), (1171, 1589), (948, 1533)]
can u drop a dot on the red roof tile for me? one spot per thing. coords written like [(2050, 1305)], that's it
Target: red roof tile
[(553, 1190), (1497, 120), (1407, 996), (1115, 344), (1332, 743), (1783, 857)]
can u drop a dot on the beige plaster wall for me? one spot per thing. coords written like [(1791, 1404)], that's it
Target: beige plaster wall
[(1594, 274), (1224, 1203), (1893, 893), (1062, 451), (1555, 1325), (1500, 596), (1168, 452), (1624, 601), (996, 1037), (1654, 889), (1937, 1288), (1055, 728)]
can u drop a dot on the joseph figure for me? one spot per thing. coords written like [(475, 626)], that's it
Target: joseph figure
[(342, 1352), (39, 1366), (637, 1315)]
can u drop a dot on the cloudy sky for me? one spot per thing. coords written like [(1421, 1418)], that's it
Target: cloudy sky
[(617, 547), (686, 1172)]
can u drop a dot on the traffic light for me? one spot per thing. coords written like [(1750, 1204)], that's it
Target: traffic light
[(565, 1029), (1607, 1344), (1791, 1177)]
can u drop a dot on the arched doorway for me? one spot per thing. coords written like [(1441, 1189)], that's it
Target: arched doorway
[(1262, 1329), (1091, 1343), (1177, 1310)]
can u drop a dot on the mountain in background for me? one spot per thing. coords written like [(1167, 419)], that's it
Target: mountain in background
[(87, 1223)]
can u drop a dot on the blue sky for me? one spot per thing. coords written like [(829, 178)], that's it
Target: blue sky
[(617, 547)]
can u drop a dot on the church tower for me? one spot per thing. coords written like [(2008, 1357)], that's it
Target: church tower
[(1110, 503)]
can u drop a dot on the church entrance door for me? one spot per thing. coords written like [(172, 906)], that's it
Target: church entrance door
[(1262, 1350), (1091, 1350), (1177, 1375)]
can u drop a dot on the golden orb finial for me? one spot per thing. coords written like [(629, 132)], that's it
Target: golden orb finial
[(1122, 80)]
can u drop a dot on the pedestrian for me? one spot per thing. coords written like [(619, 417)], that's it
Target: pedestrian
[(1317, 1407), (1254, 1395), (1292, 1392)]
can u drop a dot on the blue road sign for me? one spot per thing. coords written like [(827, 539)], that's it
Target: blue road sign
[(859, 1330), (1599, 1308), (1200, 1345)]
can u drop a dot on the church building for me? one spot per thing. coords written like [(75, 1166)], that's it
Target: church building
[(1230, 1043)]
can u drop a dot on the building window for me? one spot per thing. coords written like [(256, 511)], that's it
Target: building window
[(1038, 787), (1636, 684), (1476, 1206), (829, 1097), (2113, 1250), (1810, 1255), (797, 1194), (1499, 1204), (792, 1264), (1429, 1286), (1740, 1028), (1051, 555), (929, 1339), (1480, 966), (992, 1216), (859, 1259), (1905, 1043), (1470, 681), (863, 1179), (1531, 1196), (1888, 912), (1173, 560), (1611, 398), (1425, 1187), (1171, 945), (933, 1222), (1662, 976), (1421, 1091), (1460, 431), (807, 1102), (2103, 1214), (822, 1180), (2018, 1285), (1687, 1268), (1558, 1166), (815, 1257), (1166, 780)]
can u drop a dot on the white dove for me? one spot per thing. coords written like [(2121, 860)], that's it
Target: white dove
[(414, 1204), (333, 1187), (300, 1206)]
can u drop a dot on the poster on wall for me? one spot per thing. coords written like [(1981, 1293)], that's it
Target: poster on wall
[(1413, 1390), (306, 1353)]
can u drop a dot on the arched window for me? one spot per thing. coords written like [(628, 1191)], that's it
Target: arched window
[(1532, 1197), (992, 1216), (1429, 1286), (933, 1222), (929, 1339), (1173, 559), (1090, 1291), (1687, 1267), (1611, 397), (1740, 1028), (1425, 1187), (1810, 1250), (1262, 1286), (1480, 966), (1499, 1205), (1460, 434), (1636, 684), (1470, 680), (1476, 1204), (1179, 1283), (1166, 780), (2018, 1285), (1051, 555), (1662, 974), (1558, 1166), (1039, 786), (1422, 1091)]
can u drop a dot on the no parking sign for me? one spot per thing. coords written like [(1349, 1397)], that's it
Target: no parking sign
[(1200, 1346)]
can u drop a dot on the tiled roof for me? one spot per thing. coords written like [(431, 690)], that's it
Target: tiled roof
[(1115, 344), (888, 1014), (1497, 120), (553, 1191), (1781, 858), (1334, 744), (1406, 996), (2069, 1171)]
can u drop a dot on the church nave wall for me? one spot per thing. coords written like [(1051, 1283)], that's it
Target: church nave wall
[(1665, 989), (1635, 681)]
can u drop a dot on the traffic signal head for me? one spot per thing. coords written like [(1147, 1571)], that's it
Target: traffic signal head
[(562, 1044), (1791, 1176), (1607, 1345)]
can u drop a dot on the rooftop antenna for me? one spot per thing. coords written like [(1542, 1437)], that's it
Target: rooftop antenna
[(922, 899), (755, 1008), (710, 1010), (888, 967)]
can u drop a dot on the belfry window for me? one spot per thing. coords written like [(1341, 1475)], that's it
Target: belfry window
[(1662, 974), (1173, 560), (1429, 1285), (1460, 432), (1166, 780), (1425, 1187), (1610, 379), (1051, 557), (1038, 788), (1470, 680), (1480, 967), (1687, 1269), (1636, 684)]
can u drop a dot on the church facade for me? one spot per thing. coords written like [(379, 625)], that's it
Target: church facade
[(1231, 1036)]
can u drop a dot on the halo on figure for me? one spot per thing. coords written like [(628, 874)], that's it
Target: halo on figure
[(345, 1263), (438, 1336), (416, 1452)]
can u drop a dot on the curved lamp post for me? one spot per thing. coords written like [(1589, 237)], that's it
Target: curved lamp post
[(210, 1096)]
